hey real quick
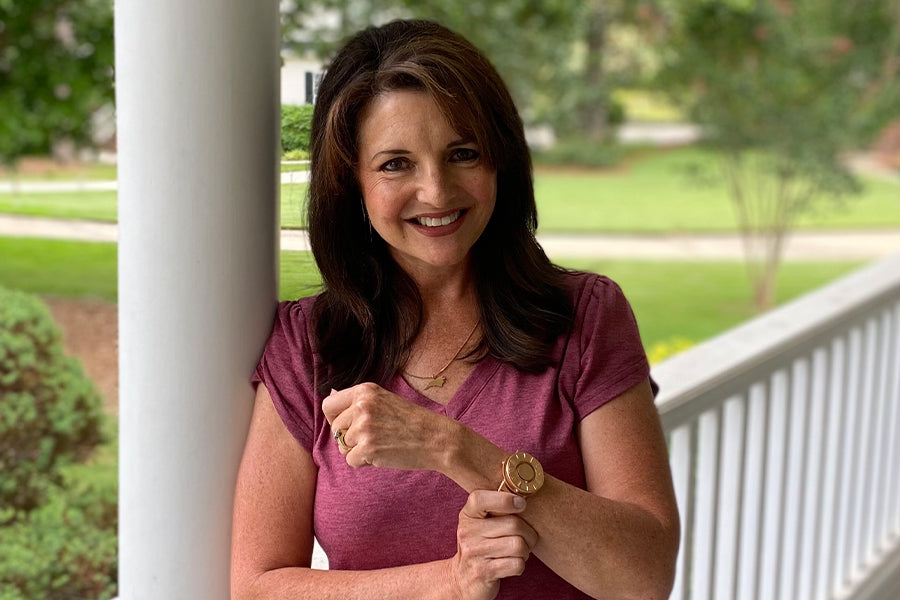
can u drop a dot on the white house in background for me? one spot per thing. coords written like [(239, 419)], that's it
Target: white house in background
[(300, 77)]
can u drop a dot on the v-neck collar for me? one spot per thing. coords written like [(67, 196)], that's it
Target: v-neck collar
[(462, 398)]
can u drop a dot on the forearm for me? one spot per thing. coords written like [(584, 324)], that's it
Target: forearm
[(605, 548), (426, 581)]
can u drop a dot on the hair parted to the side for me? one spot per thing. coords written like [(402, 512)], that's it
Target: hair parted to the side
[(369, 311)]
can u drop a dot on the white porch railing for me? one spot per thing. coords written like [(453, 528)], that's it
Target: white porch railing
[(784, 438)]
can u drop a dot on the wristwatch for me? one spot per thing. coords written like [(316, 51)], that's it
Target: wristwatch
[(523, 475)]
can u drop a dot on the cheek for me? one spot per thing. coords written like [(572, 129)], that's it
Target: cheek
[(383, 200)]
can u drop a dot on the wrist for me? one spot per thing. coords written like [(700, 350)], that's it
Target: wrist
[(470, 460)]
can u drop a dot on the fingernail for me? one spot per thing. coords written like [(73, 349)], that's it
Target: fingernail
[(519, 502)]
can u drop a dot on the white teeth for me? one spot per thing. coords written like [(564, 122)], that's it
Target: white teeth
[(432, 222)]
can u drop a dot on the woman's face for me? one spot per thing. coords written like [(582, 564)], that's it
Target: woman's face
[(429, 192)]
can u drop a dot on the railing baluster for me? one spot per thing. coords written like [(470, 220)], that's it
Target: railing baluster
[(893, 496), (850, 475), (832, 487), (752, 516), (866, 546), (858, 458), (682, 450), (791, 542), (816, 454), (703, 567), (731, 467), (803, 393), (883, 441), (776, 477)]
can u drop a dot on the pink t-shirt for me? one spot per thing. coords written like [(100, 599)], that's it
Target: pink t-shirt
[(374, 518)]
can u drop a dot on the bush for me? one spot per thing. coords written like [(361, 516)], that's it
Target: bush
[(295, 155), (50, 412), (296, 122), (660, 351), (67, 547), (580, 152)]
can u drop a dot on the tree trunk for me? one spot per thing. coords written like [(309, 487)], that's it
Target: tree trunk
[(593, 111)]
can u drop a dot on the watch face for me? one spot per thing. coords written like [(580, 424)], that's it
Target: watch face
[(524, 474)]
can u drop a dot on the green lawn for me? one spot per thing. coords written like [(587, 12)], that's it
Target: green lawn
[(101, 206), (671, 299), (697, 300), (93, 171), (93, 206), (653, 193), (659, 194)]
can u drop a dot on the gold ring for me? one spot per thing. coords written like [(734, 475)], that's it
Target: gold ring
[(339, 436)]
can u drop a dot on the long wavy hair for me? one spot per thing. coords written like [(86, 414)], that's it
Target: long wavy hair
[(369, 311)]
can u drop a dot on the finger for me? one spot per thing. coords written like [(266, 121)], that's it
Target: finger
[(357, 460), (340, 438), (525, 531), (336, 403), (510, 566), (484, 503)]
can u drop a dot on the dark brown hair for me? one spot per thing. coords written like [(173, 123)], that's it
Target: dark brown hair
[(369, 311)]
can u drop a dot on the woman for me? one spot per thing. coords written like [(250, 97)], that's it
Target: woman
[(390, 407)]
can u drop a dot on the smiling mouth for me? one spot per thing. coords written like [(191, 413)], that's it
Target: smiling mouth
[(438, 221)]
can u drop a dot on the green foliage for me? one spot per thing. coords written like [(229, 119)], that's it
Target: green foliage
[(296, 122), (783, 90), (665, 348), (56, 60), (65, 548), (803, 80), (551, 53), (581, 152), (50, 413), (295, 155)]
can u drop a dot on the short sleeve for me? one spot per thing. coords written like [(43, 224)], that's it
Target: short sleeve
[(610, 355), (288, 370)]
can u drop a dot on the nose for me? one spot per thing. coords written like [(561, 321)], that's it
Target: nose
[(434, 186)]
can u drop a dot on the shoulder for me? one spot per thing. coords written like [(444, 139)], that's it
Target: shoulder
[(292, 324), (590, 292)]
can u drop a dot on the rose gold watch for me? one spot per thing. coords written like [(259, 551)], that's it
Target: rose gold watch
[(523, 475)]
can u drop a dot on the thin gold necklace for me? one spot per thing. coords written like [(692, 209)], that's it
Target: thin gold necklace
[(439, 379)]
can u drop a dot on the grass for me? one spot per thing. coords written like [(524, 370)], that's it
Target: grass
[(51, 171), (59, 268), (699, 300), (92, 206), (670, 299), (654, 193), (658, 194), (43, 169), (102, 206)]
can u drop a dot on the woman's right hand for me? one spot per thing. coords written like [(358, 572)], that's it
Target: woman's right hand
[(492, 543)]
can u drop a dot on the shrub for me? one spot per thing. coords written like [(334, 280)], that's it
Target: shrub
[(67, 547), (296, 122), (581, 152), (50, 412), (660, 351), (295, 155)]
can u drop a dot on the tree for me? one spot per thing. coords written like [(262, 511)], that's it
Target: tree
[(549, 52), (56, 60), (783, 89)]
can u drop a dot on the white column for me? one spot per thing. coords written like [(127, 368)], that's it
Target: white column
[(197, 100)]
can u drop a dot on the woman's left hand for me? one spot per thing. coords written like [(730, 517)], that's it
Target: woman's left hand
[(384, 430)]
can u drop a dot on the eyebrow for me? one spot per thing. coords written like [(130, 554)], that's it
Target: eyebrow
[(401, 151)]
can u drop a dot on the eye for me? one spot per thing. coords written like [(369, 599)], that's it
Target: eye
[(395, 164), (464, 155)]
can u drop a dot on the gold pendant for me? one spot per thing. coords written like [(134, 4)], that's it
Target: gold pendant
[(436, 382)]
